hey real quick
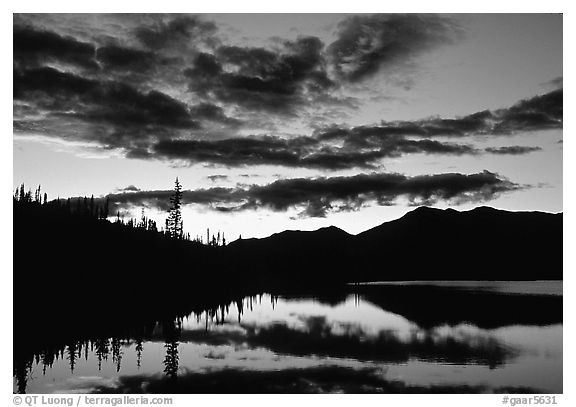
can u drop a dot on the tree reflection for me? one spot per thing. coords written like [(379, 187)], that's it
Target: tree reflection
[(319, 338), (139, 348), (171, 332)]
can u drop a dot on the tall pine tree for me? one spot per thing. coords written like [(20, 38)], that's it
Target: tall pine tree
[(174, 222)]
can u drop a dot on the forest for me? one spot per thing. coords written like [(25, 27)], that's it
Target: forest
[(83, 273), (77, 238)]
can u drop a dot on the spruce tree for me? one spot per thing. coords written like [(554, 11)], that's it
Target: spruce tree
[(174, 222)]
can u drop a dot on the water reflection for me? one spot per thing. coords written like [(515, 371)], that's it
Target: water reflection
[(347, 341)]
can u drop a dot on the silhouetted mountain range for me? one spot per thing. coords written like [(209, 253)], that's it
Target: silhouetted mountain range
[(63, 258), (425, 244), (77, 276), (56, 249)]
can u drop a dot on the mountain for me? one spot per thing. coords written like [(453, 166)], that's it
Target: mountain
[(483, 244), (425, 244), (289, 257), (73, 273), (60, 252)]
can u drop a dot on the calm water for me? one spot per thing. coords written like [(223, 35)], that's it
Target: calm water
[(508, 287), (452, 337)]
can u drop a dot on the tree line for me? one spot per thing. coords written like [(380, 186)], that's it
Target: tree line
[(98, 209), (86, 207)]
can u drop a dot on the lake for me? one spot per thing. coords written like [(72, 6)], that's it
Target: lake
[(388, 337)]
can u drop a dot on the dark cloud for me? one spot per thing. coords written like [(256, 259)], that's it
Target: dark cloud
[(349, 341), (217, 177), (33, 47), (129, 188), (318, 336), (117, 58), (108, 93), (161, 199), (349, 193), (512, 150), (150, 125), (102, 100), (126, 113), (214, 113), (318, 196), (122, 112), (260, 79), (369, 44), (176, 32), (397, 145), (556, 83), (304, 152), (543, 112), (232, 152), (537, 113), (298, 152), (315, 379), (433, 147)]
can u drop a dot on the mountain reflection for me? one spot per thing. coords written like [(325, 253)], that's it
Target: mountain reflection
[(317, 342), (320, 338), (324, 379)]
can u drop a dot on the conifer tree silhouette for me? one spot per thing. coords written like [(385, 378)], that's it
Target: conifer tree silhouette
[(171, 337), (174, 222), (139, 348), (116, 346), (72, 356)]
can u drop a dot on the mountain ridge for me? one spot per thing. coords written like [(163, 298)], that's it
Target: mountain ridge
[(426, 243), (417, 211)]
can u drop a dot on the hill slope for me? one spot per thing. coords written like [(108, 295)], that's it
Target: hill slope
[(77, 255), (425, 244)]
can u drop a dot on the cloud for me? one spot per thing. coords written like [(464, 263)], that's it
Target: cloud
[(349, 341), (350, 193), (116, 114), (151, 124), (542, 112), (214, 113), (112, 90), (315, 197), (315, 335), (305, 152), (217, 177), (275, 81), (556, 83), (370, 44), (233, 152), (176, 32), (33, 47), (160, 199), (168, 87), (118, 58), (331, 378), (537, 113), (129, 188), (512, 150), (106, 101)]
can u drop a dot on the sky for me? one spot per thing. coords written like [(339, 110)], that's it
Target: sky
[(290, 121)]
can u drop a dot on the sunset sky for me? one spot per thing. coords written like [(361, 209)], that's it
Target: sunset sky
[(275, 122)]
